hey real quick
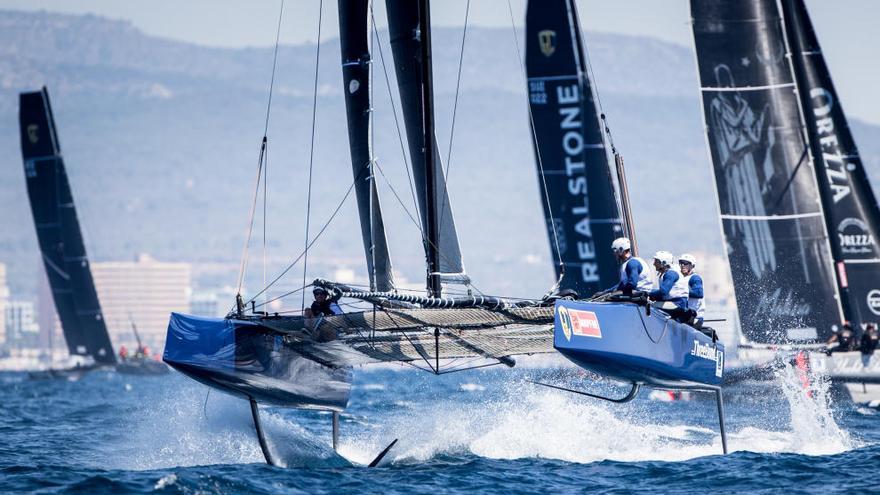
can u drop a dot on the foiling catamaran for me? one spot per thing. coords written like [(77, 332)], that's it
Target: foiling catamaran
[(306, 362), (62, 248), (798, 214)]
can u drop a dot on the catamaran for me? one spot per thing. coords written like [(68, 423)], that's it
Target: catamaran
[(306, 361), (798, 215), (62, 249)]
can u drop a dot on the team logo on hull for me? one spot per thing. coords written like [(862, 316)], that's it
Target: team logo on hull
[(708, 351), (578, 322), (547, 41)]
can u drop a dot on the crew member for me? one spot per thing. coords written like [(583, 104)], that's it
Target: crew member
[(843, 340), (696, 303), (868, 343), (672, 294), (324, 305), (634, 272)]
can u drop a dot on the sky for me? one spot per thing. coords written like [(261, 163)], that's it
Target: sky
[(847, 29)]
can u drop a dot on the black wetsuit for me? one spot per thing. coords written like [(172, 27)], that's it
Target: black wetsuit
[(326, 308), (869, 340)]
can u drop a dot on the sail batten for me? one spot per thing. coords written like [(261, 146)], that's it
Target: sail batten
[(773, 225), (58, 232), (849, 204), (579, 200)]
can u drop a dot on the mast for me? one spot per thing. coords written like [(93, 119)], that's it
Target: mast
[(431, 232), (850, 209), (772, 220), (354, 41), (409, 28)]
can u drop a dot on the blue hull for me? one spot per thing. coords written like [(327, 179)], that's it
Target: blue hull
[(619, 341), (254, 362)]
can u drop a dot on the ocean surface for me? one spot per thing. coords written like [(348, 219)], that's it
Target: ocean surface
[(478, 431)]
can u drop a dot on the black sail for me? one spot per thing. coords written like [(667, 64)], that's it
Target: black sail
[(772, 220), (406, 37), (356, 67), (60, 239), (579, 201), (851, 212)]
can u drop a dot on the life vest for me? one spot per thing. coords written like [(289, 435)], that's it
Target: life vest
[(697, 304), (680, 288), (644, 281)]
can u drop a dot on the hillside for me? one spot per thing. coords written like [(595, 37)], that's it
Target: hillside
[(161, 141)]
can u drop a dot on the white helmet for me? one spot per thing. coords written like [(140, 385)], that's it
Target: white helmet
[(689, 258), (664, 257), (621, 244)]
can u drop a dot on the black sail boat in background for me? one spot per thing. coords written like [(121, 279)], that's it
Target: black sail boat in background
[(851, 213), (579, 200), (799, 216), (773, 223), (63, 250), (59, 236)]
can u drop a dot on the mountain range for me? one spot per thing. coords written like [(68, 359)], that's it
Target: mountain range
[(161, 140)]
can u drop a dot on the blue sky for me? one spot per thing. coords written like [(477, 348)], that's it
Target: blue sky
[(847, 29)]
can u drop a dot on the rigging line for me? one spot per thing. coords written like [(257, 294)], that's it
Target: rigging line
[(274, 65), (409, 176), (265, 218), (595, 83), (454, 111), (372, 182), (312, 148), (418, 226), (244, 255), (317, 236), (519, 58), (282, 296)]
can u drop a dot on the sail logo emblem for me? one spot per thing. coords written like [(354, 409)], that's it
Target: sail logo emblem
[(874, 301), (579, 322), (854, 237), (547, 41), (33, 133)]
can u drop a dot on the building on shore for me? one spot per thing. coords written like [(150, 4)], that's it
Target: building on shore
[(141, 293), (4, 300), (22, 330)]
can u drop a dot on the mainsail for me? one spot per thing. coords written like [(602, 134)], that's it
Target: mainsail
[(58, 232), (409, 41), (356, 68), (772, 219), (579, 201), (851, 213)]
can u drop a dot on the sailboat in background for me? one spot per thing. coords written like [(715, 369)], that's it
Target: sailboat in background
[(798, 214), (61, 244)]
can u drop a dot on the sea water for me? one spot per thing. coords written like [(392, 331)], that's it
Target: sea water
[(485, 430)]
